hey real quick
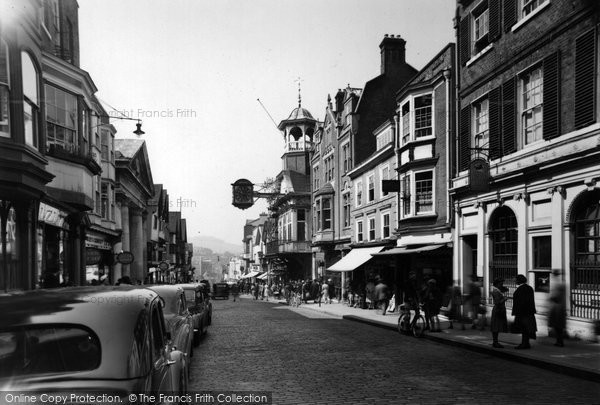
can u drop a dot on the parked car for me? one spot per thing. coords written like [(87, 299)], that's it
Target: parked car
[(220, 290), (199, 305), (178, 318), (110, 340)]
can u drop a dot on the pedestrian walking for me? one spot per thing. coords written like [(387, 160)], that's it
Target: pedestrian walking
[(315, 291), (524, 311), (499, 322), (557, 318), (382, 295), (235, 291), (433, 303), (474, 298), (370, 290), (331, 289), (454, 305), (324, 293), (268, 291)]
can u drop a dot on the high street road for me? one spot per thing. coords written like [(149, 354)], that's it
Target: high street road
[(307, 357)]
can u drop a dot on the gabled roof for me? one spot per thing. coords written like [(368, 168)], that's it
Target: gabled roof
[(127, 148)]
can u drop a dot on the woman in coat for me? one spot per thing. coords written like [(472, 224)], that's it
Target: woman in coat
[(499, 322)]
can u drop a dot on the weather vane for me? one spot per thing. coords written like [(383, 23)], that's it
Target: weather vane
[(299, 80)]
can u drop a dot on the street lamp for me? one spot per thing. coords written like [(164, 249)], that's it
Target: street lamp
[(138, 131)]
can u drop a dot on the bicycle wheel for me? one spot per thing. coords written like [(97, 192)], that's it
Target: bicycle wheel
[(403, 323), (418, 327)]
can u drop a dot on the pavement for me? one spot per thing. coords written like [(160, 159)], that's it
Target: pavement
[(578, 358)]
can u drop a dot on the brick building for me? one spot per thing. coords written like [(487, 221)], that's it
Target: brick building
[(527, 181)]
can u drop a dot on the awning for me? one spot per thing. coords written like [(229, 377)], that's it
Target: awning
[(251, 274), (355, 258), (405, 250), (263, 276)]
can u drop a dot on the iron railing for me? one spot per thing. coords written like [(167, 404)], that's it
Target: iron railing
[(505, 267), (585, 289)]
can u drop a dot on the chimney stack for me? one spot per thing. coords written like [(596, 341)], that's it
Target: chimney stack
[(339, 101), (393, 53)]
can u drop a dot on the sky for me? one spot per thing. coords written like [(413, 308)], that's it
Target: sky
[(193, 71)]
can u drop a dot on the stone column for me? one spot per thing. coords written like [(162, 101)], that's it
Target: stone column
[(125, 244), (137, 246)]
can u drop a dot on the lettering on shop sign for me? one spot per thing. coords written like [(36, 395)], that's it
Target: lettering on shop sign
[(92, 256), (125, 258), (51, 215)]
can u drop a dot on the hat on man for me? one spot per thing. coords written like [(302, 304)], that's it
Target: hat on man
[(521, 279)]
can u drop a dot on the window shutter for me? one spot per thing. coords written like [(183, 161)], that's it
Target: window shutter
[(494, 20), (464, 140), (509, 116), (510, 14), (585, 63), (495, 124), (551, 113), (465, 39)]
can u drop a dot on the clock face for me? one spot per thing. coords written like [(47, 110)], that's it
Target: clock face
[(243, 194)]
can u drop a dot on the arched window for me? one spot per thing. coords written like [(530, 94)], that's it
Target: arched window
[(30, 99), (585, 266), (504, 247), (4, 91)]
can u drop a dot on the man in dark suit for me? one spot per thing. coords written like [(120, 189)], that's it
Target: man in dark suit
[(524, 311)]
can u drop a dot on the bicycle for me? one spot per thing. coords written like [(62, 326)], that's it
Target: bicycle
[(416, 326)]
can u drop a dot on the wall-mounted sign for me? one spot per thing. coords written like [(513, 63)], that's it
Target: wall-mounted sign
[(51, 216), (163, 266), (125, 258), (390, 186), (92, 256)]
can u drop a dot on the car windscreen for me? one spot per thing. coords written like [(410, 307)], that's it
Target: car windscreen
[(190, 296), (48, 349)]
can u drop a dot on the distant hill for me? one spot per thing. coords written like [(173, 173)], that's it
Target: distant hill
[(215, 244)]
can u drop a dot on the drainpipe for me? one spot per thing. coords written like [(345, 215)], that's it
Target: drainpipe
[(448, 81)]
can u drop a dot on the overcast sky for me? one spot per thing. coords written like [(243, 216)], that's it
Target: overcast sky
[(193, 70)]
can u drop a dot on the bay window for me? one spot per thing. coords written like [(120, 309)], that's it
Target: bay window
[(4, 91), (417, 122), (30, 100), (61, 118), (423, 192)]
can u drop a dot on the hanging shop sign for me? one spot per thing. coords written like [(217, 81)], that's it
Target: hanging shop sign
[(51, 216), (479, 175), (92, 256), (163, 266), (125, 258), (243, 194)]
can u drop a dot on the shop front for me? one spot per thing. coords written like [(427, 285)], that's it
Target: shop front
[(99, 258), (54, 265)]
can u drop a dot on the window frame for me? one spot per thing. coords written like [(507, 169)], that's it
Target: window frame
[(359, 231), (408, 115), (358, 194), (371, 187), (31, 108), (416, 193), (382, 169), (385, 224), (522, 140), (5, 92), (483, 141), (371, 228)]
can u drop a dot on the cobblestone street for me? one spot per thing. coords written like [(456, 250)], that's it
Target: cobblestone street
[(305, 357)]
